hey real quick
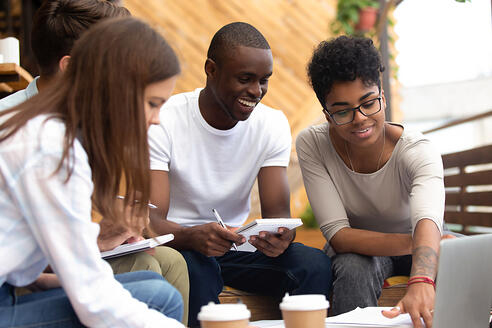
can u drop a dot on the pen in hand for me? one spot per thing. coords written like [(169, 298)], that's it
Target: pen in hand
[(219, 220)]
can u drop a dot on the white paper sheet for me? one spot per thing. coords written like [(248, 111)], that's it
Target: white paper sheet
[(370, 317)]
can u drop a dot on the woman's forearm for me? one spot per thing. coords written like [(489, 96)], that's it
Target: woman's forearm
[(371, 243), (425, 249)]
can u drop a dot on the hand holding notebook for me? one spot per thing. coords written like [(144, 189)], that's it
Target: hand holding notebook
[(268, 225)]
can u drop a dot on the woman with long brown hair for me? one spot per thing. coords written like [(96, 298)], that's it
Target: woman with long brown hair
[(67, 148)]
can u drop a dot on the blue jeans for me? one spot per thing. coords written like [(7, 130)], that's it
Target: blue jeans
[(358, 279), (299, 270), (52, 309)]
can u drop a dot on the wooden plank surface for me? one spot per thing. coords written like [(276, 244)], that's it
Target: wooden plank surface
[(469, 179), (470, 198), (479, 155), (483, 219)]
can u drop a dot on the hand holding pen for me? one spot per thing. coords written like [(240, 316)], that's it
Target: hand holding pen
[(219, 220)]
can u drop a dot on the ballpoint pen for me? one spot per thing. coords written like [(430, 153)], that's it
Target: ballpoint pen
[(136, 201), (219, 220)]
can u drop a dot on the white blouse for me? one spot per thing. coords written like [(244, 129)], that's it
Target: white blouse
[(46, 220)]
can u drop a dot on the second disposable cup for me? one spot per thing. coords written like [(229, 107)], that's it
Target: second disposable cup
[(224, 316), (300, 311)]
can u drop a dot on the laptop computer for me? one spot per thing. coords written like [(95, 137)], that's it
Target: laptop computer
[(464, 283)]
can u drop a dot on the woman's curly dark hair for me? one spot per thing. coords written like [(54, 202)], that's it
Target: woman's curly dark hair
[(344, 59)]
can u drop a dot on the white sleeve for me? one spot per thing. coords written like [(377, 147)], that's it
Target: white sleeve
[(59, 216), (323, 196), (425, 173), (160, 148), (280, 143)]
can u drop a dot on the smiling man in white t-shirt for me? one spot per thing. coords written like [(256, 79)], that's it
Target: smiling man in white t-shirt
[(210, 147)]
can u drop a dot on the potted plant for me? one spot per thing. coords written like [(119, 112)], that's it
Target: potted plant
[(355, 16)]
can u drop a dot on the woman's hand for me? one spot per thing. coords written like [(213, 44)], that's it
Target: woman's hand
[(448, 237), (113, 234), (45, 281), (418, 302)]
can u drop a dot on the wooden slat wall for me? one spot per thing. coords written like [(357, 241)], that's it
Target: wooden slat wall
[(292, 27), (460, 195)]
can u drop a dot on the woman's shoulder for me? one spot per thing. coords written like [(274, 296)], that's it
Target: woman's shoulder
[(314, 134), (414, 147), (413, 139)]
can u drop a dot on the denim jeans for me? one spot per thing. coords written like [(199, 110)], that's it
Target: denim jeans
[(52, 309), (299, 270), (358, 279)]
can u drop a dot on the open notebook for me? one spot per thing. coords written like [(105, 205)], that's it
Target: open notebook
[(271, 225), (139, 246)]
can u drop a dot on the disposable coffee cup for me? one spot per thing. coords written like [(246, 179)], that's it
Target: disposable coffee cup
[(300, 311), (224, 316)]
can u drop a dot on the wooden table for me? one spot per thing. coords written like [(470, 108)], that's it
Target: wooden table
[(13, 77)]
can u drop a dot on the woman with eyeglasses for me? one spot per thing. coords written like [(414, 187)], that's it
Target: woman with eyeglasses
[(376, 188)]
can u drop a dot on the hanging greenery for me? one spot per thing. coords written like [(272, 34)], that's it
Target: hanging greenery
[(348, 14)]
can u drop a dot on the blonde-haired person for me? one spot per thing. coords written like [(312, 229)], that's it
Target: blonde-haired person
[(66, 148)]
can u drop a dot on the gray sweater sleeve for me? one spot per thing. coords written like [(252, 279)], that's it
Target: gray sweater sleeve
[(325, 201), (424, 169)]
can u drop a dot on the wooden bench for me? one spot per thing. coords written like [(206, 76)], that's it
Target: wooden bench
[(468, 181)]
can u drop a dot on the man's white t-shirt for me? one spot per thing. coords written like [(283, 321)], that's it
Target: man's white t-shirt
[(210, 168)]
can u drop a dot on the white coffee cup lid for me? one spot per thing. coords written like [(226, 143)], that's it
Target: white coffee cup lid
[(223, 312), (307, 302)]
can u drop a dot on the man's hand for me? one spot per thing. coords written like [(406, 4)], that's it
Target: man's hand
[(212, 240), (418, 302), (273, 244)]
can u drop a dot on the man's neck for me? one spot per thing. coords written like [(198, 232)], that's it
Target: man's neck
[(212, 112)]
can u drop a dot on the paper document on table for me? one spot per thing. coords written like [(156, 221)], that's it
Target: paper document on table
[(368, 317), (267, 324), (270, 225)]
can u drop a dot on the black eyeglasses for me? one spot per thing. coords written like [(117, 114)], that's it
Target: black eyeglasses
[(367, 108)]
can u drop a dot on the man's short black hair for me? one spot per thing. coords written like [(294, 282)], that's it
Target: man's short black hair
[(233, 35), (344, 59)]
